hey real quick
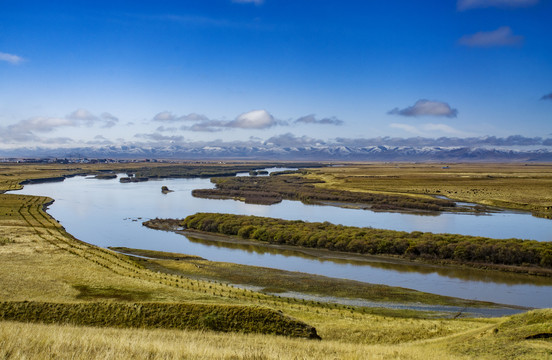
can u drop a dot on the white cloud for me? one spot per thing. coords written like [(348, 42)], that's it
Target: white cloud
[(474, 4), (160, 137), (443, 128), (109, 117), (165, 129), (167, 116), (256, 119), (503, 36), (56, 141), (256, 2), (311, 119), (207, 126), (100, 140), (40, 124), (83, 116), (405, 127), (426, 107), (25, 130), (251, 120), (12, 59), (289, 139)]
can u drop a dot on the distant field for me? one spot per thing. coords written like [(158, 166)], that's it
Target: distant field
[(516, 186), (42, 263)]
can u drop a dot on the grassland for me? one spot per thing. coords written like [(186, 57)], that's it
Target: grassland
[(516, 186), (42, 263)]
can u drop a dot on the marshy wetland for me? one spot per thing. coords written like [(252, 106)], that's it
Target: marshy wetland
[(44, 263)]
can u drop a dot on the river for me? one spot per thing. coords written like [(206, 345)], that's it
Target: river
[(108, 213)]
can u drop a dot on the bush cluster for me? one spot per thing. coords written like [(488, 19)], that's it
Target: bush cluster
[(415, 244)]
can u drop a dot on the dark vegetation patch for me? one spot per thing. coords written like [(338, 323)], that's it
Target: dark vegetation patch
[(273, 189), (161, 224), (165, 189), (104, 293), (43, 180), (224, 318), (105, 176), (5, 241), (533, 255), (155, 254), (202, 170)]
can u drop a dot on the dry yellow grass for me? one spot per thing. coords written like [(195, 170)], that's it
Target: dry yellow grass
[(517, 186), (29, 341)]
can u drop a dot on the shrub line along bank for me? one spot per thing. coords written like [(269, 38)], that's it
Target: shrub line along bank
[(425, 245)]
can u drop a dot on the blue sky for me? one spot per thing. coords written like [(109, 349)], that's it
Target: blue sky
[(114, 72)]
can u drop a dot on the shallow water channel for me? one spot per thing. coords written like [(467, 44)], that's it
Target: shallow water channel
[(109, 213)]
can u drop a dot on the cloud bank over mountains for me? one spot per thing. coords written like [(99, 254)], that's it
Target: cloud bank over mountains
[(251, 120), (28, 130), (291, 147), (425, 107)]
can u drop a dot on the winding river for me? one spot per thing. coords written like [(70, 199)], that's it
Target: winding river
[(108, 213)]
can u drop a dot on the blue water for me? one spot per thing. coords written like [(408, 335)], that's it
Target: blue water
[(108, 213)]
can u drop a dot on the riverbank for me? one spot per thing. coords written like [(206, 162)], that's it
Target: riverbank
[(379, 299), (390, 246)]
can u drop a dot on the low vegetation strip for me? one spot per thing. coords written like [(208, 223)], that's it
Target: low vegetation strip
[(208, 170), (273, 189), (425, 245), (193, 316)]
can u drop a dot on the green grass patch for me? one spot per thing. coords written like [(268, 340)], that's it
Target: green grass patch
[(155, 254), (5, 241), (193, 316), (523, 336), (104, 293)]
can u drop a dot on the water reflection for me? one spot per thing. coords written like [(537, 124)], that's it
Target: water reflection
[(398, 265)]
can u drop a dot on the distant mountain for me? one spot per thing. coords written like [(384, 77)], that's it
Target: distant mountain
[(308, 152)]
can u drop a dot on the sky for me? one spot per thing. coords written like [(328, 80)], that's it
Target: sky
[(76, 73)]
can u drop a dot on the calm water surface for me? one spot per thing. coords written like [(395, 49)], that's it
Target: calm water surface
[(108, 213)]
